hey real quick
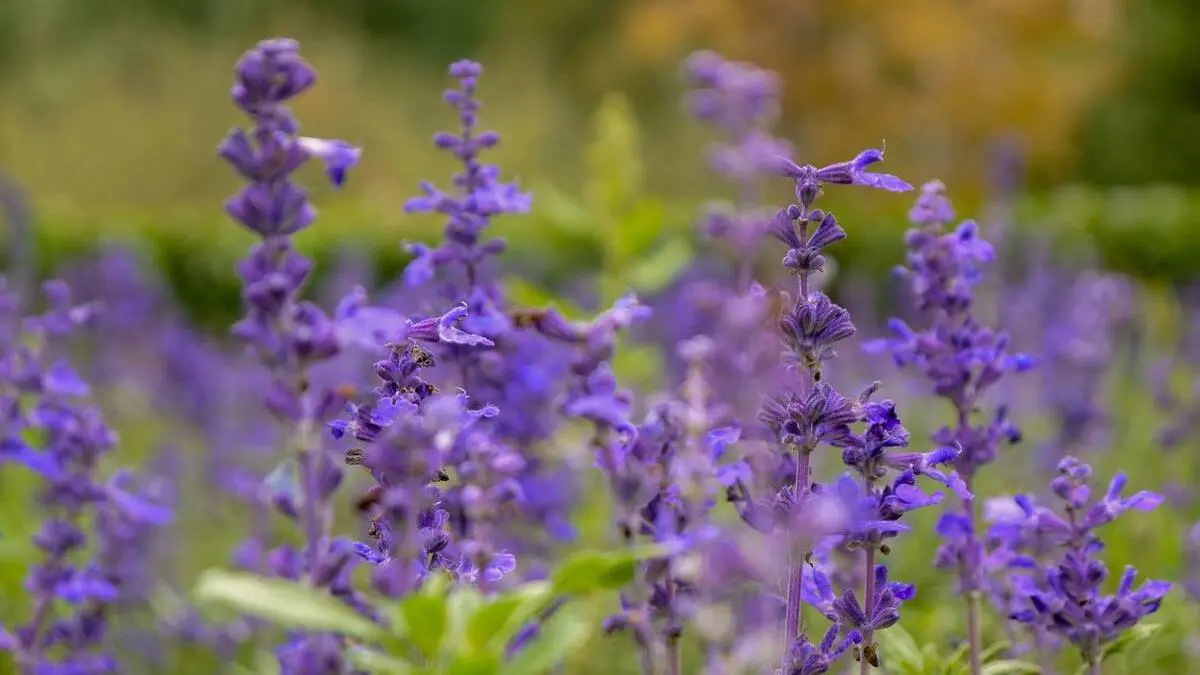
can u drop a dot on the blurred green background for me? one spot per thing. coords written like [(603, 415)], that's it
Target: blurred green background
[(110, 111)]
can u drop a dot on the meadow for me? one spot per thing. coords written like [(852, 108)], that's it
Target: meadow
[(584, 403)]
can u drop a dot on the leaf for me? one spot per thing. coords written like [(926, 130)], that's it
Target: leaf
[(461, 607), (1131, 638), (1010, 667), (900, 649), (957, 662), (594, 570), (285, 603), (475, 663), (563, 211), (425, 614), (378, 663), (993, 650), (560, 635), (637, 231), (500, 620), (523, 293), (654, 273)]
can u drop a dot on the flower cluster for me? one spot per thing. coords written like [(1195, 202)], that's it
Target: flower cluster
[(860, 514), (288, 334), (521, 371), (50, 427), (962, 358), (480, 194), (1063, 597), (467, 439)]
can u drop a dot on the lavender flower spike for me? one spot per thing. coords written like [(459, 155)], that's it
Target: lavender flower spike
[(82, 577), (962, 358), (289, 335), (801, 420), (1064, 597)]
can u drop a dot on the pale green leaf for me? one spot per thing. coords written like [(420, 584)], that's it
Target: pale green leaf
[(521, 292), (993, 650), (499, 620), (563, 211), (637, 232), (558, 636), (475, 663), (899, 649), (378, 663), (1010, 667), (426, 616), (615, 171), (285, 603), (588, 571), (461, 606), (660, 268), (1131, 638)]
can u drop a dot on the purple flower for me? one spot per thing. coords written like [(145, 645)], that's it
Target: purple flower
[(807, 658), (809, 179), (82, 577), (1063, 596), (821, 416)]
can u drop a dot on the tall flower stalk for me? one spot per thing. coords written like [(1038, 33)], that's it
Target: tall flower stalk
[(49, 426), (288, 334), (813, 412), (962, 358)]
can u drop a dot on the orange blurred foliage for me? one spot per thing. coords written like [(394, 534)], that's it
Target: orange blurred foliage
[(939, 79)]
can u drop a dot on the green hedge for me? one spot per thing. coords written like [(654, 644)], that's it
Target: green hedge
[(1150, 233)]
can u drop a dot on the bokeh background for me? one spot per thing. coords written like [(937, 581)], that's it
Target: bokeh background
[(1070, 127), (109, 111)]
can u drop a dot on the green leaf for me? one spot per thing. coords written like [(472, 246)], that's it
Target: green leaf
[(1131, 638), (378, 663), (993, 650), (900, 650), (461, 606), (284, 603), (425, 614), (563, 211), (958, 661), (661, 267), (1010, 667), (475, 663), (588, 571), (521, 292), (560, 635), (637, 231), (498, 621)]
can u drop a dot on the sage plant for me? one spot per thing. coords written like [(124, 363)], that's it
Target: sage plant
[(813, 413), (1064, 597), (962, 358), (288, 334), (49, 426)]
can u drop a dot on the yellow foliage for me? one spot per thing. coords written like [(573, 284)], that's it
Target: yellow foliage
[(940, 79)]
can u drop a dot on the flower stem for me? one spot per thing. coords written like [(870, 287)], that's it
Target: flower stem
[(307, 457), (794, 618), (974, 632), (968, 572), (864, 666), (794, 624)]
